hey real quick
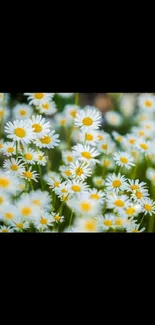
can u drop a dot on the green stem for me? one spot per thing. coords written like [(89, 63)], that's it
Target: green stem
[(48, 162), (151, 223), (77, 99), (41, 179), (71, 217), (16, 149)]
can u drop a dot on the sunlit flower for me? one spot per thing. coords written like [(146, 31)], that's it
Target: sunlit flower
[(37, 99), (20, 131), (117, 202), (13, 167), (9, 149), (30, 175), (48, 141), (96, 195), (40, 158), (147, 102), (28, 156), (57, 218), (124, 159), (22, 111), (80, 170), (65, 171), (115, 182), (77, 186), (68, 157), (88, 120), (85, 153), (148, 206), (5, 229), (40, 127), (86, 225), (19, 224), (47, 108)]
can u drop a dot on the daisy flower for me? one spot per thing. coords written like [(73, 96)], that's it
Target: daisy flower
[(107, 146), (19, 224), (8, 183), (132, 210), (61, 190), (61, 120), (37, 99), (40, 158), (115, 182), (47, 108), (4, 199), (83, 205), (5, 229), (147, 102), (65, 171), (68, 157), (118, 137), (86, 225), (48, 141), (106, 222), (113, 118), (26, 210), (85, 153), (9, 149), (98, 181), (144, 146), (13, 167), (96, 195), (44, 220), (77, 186), (130, 141), (88, 120), (134, 228), (40, 127), (71, 112), (134, 185), (107, 162), (148, 206), (127, 105), (28, 156), (89, 138), (56, 217), (22, 111), (80, 170), (30, 175), (101, 135), (117, 202), (53, 182), (139, 132), (40, 199), (139, 195), (123, 159), (20, 131), (9, 212)]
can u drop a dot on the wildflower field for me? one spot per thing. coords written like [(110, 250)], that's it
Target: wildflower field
[(66, 166)]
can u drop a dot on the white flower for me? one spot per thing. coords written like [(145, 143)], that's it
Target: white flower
[(71, 111), (26, 210), (89, 138), (107, 146), (147, 102), (40, 158), (88, 120), (14, 166), (80, 170), (113, 118), (61, 190), (40, 199), (139, 195), (67, 157), (5, 229), (96, 195), (22, 111), (144, 146), (148, 206), (19, 224), (117, 202), (8, 183), (65, 171), (129, 141), (98, 181), (48, 108), (9, 212), (115, 182), (9, 149), (40, 126), (28, 156), (61, 120), (30, 175), (37, 99), (85, 153), (107, 162), (86, 225), (43, 221), (106, 222), (118, 137), (4, 199), (48, 141), (77, 186), (20, 131), (56, 217), (83, 205), (134, 185), (124, 159)]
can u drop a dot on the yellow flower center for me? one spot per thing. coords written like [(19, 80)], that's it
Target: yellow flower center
[(104, 146), (56, 184), (43, 221), (107, 223), (132, 141), (87, 121), (4, 230), (1, 113), (14, 167), (76, 188), (57, 218), (73, 113), (37, 128), (148, 103), (107, 163), (26, 211), (86, 154), (40, 158), (37, 202), (38, 95), (10, 150), (4, 182), (64, 197), (67, 172), (62, 122), (141, 133), (19, 132), (46, 105), (70, 158), (64, 190), (119, 203), (90, 225), (147, 207), (8, 215), (139, 195), (28, 174), (19, 225), (100, 137), (134, 187), (119, 222), (124, 160), (99, 182), (46, 139), (28, 156), (1, 145), (1, 200), (79, 171), (23, 112), (144, 146), (94, 196), (136, 230), (89, 137), (86, 206), (130, 211), (117, 183)]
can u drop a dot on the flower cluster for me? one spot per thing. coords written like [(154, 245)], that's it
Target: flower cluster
[(71, 169)]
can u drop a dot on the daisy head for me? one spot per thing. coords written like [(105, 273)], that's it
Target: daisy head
[(44, 220), (98, 181), (9, 212), (80, 170), (14, 167), (20, 131), (85, 153), (5, 229), (65, 171), (48, 141), (106, 222), (37, 99), (40, 199), (148, 206), (22, 111), (71, 112), (117, 202), (147, 102), (88, 119), (68, 157), (9, 149), (8, 183), (26, 210), (86, 225), (144, 146), (84, 206), (113, 118), (40, 158), (96, 195), (57, 218), (48, 108), (124, 159), (28, 155), (115, 182), (40, 127), (19, 224), (30, 175), (77, 186)]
